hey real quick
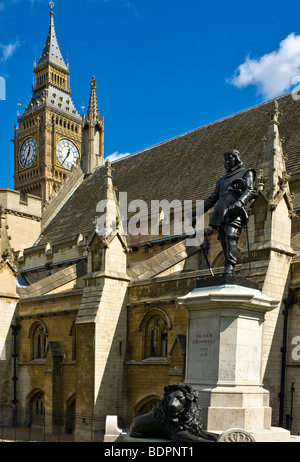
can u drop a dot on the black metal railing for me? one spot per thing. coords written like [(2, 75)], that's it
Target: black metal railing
[(19, 426)]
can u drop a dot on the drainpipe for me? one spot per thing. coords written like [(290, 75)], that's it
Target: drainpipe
[(288, 303), (290, 417), (15, 330)]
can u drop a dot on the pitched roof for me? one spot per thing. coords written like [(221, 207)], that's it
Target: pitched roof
[(185, 167)]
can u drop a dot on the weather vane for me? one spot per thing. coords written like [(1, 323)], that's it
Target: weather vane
[(19, 105), (52, 5)]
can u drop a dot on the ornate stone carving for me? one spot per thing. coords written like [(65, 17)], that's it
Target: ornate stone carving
[(236, 435)]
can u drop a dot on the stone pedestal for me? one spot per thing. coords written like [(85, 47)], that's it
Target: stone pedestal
[(224, 353)]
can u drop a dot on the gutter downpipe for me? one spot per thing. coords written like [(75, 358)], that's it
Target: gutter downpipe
[(15, 330), (288, 303)]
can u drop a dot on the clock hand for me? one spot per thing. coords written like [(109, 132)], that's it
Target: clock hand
[(28, 153), (69, 152)]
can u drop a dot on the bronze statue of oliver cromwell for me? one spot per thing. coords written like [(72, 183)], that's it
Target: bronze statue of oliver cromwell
[(232, 193)]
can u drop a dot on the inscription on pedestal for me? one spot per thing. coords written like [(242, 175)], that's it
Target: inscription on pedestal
[(203, 346), (203, 349)]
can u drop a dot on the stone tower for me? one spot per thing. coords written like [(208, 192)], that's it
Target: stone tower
[(92, 135), (48, 137)]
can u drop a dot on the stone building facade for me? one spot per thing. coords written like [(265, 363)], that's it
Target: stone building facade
[(89, 321)]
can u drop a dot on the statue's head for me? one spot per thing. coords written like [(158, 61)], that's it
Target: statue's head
[(232, 158), (177, 399)]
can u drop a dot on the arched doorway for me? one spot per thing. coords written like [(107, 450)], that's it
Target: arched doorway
[(36, 409)]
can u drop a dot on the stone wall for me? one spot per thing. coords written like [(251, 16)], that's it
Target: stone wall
[(8, 304), (56, 314), (22, 216)]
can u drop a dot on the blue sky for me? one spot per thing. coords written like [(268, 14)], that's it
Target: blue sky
[(163, 67)]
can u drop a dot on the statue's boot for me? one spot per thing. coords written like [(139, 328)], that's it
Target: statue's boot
[(230, 252)]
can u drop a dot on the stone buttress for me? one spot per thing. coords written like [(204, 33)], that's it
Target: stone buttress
[(270, 248), (102, 317)]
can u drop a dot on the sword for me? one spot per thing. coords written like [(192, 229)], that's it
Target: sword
[(202, 246), (248, 244)]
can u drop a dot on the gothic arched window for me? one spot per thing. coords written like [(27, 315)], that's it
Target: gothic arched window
[(39, 347), (157, 338), (38, 336)]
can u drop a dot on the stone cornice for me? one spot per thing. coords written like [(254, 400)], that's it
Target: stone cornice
[(27, 216)]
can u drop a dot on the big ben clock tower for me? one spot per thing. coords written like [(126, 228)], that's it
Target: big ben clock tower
[(48, 137)]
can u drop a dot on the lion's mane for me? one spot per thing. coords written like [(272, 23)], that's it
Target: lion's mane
[(189, 419)]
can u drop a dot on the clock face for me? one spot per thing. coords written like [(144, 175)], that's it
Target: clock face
[(67, 154), (28, 152)]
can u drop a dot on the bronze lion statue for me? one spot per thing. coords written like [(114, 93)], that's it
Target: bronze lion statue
[(176, 418)]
